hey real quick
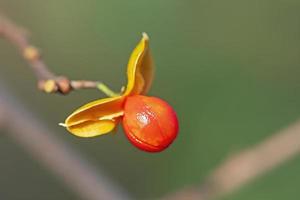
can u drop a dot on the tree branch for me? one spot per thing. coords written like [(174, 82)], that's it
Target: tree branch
[(47, 80)]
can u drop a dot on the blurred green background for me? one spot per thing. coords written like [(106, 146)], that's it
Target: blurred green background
[(230, 69)]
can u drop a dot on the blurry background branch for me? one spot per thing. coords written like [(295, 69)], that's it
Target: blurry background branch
[(47, 80), (246, 165), (86, 181)]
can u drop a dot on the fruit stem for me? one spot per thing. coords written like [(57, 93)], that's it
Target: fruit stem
[(106, 90)]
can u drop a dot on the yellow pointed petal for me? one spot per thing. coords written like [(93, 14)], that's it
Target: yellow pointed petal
[(96, 110), (140, 68), (92, 128), (96, 118)]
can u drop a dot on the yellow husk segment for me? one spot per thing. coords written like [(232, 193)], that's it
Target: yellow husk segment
[(140, 69), (92, 128), (102, 116)]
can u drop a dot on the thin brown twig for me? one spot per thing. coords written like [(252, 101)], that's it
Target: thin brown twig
[(47, 80), (241, 168), (42, 144)]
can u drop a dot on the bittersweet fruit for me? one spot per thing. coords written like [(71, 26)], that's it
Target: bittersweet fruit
[(150, 123)]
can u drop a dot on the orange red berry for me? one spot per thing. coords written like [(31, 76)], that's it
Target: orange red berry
[(150, 123)]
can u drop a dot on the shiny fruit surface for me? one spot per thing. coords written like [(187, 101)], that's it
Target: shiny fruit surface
[(150, 123)]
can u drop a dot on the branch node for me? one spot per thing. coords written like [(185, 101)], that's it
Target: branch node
[(64, 85), (31, 53), (60, 85), (48, 86)]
